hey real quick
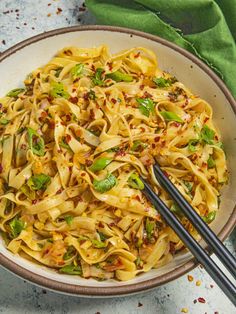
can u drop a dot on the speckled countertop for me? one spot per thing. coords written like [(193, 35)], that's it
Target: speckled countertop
[(20, 19)]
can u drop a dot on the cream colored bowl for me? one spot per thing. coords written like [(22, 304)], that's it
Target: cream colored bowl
[(18, 61)]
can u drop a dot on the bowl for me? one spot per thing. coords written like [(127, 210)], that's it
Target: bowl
[(18, 61)]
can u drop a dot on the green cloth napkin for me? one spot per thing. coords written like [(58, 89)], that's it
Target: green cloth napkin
[(207, 28)]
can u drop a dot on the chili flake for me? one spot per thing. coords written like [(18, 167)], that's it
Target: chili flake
[(201, 300), (190, 278)]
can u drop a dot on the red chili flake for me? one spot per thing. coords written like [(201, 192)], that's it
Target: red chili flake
[(172, 248), (109, 65), (44, 114), (78, 133), (141, 87), (176, 124), (86, 96), (93, 67), (147, 95), (88, 162), (211, 286), (201, 300), (68, 52), (204, 164), (59, 191), (67, 138), (34, 201), (83, 174), (112, 224), (68, 117), (81, 9), (49, 4), (216, 312), (74, 100), (206, 119), (49, 14), (1, 168), (166, 174), (113, 100), (137, 197), (92, 114), (121, 153), (153, 146), (157, 139), (216, 138), (59, 10), (140, 304), (186, 102), (137, 55), (0, 105), (100, 224), (23, 146), (51, 124)]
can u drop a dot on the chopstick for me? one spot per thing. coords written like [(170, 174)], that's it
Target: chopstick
[(214, 271), (211, 239)]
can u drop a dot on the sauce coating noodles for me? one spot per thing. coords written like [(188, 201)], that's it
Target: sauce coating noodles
[(74, 141)]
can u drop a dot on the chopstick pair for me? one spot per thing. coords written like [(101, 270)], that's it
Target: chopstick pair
[(207, 234)]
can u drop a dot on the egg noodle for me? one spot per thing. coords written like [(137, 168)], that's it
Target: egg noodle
[(74, 142)]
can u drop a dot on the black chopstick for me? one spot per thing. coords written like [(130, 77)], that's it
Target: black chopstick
[(207, 234), (214, 271)]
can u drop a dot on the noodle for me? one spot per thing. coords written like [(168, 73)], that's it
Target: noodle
[(74, 141)]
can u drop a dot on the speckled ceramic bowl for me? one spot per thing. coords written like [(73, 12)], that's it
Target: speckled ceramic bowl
[(19, 60)]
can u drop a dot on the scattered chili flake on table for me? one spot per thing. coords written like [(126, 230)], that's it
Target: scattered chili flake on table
[(211, 286), (59, 10), (184, 310), (190, 278), (201, 300), (195, 301), (140, 304), (3, 42), (49, 14)]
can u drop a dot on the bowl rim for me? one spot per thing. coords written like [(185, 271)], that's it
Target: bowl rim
[(88, 291)]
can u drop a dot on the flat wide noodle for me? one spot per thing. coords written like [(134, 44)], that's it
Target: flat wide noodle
[(73, 143)]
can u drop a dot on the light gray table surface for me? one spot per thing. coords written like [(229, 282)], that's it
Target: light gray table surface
[(21, 19)]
